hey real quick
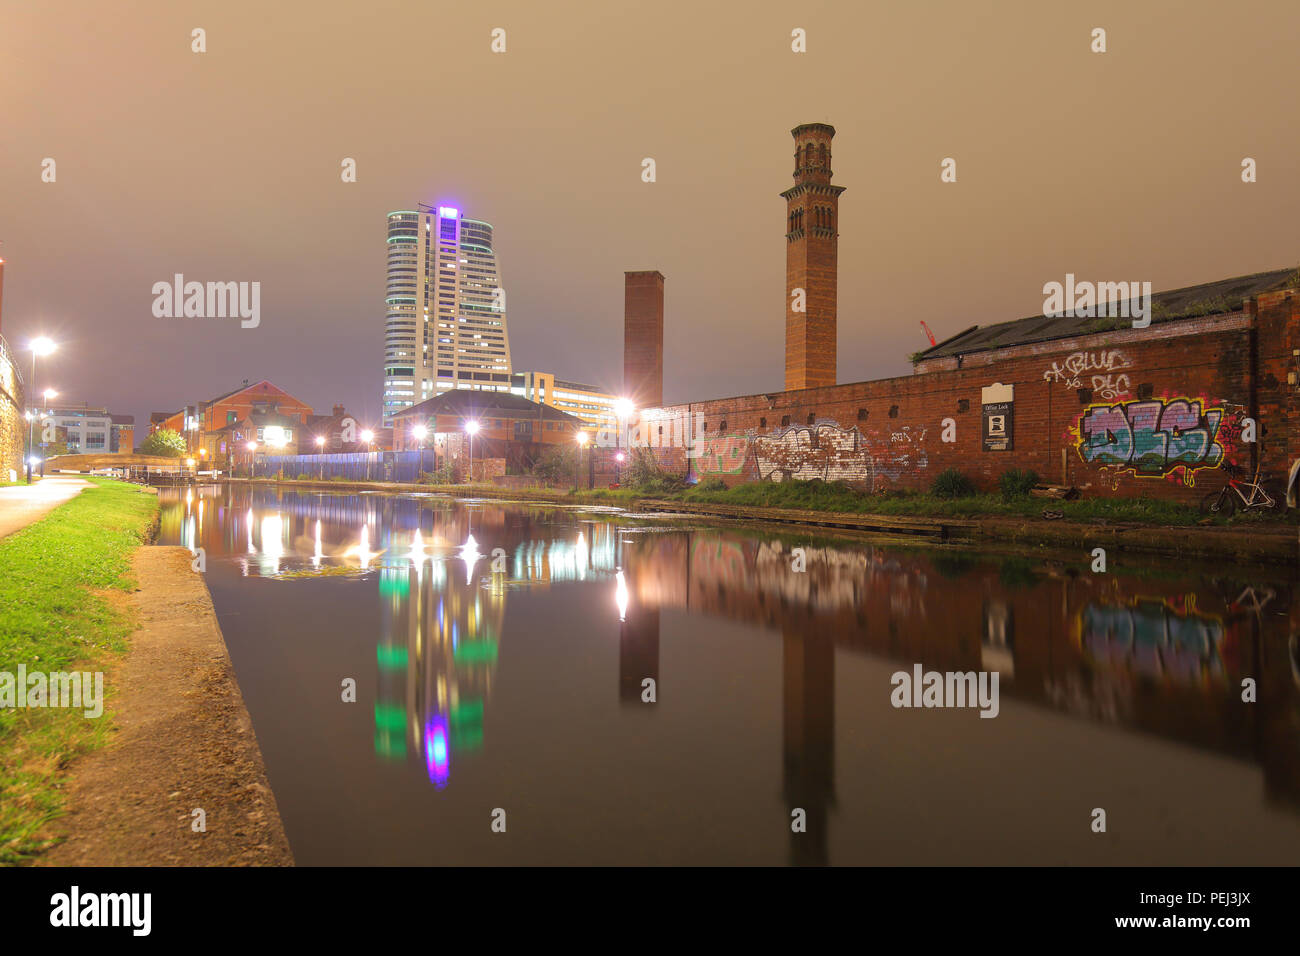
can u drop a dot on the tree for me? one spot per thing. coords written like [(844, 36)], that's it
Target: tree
[(164, 443)]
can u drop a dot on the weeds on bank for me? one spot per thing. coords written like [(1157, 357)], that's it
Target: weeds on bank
[(54, 617)]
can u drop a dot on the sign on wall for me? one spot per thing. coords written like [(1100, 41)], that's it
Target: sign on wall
[(998, 401)]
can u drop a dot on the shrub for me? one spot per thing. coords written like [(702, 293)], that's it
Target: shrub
[(951, 483), (1017, 483), (556, 465), (442, 475), (303, 476), (644, 473), (711, 485)]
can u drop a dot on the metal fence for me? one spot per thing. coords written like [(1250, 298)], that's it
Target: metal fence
[(404, 466)]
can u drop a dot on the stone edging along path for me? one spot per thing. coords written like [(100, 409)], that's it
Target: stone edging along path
[(182, 740), (1272, 545)]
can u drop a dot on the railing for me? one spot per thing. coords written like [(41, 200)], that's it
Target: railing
[(8, 356)]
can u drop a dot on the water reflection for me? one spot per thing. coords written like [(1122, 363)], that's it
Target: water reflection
[(1162, 654)]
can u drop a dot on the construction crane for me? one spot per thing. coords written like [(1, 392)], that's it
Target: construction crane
[(928, 333)]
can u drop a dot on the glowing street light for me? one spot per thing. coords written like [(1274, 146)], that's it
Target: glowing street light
[(420, 432), (368, 436), (471, 429), (40, 346), (582, 438), (320, 445)]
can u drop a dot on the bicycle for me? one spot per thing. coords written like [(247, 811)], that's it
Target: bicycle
[(1224, 501)]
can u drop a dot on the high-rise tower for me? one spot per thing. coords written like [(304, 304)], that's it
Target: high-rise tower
[(812, 224), (446, 321)]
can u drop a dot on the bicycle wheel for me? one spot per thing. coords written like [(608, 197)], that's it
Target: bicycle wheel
[(1219, 503), (1275, 492)]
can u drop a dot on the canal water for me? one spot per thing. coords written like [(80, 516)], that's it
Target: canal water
[(504, 656)]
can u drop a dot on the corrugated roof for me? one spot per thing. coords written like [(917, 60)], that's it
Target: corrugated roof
[(1210, 298)]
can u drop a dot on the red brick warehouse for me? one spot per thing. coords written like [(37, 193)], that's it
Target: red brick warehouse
[(1093, 402)]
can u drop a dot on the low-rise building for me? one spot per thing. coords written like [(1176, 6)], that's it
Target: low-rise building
[(594, 406), (506, 428), (86, 429)]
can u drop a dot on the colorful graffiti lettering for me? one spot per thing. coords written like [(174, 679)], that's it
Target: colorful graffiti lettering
[(1152, 438), (1157, 637), (722, 455)]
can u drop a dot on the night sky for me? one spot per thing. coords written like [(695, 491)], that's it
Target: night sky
[(225, 166)]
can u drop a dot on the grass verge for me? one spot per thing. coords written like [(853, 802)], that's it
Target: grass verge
[(56, 576), (838, 497)]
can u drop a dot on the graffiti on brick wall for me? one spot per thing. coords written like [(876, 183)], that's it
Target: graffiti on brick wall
[(805, 452), (1095, 370), (1161, 438), (722, 454), (1167, 638), (822, 451)]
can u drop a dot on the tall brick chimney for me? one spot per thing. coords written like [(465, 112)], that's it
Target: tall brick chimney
[(812, 224), (643, 338)]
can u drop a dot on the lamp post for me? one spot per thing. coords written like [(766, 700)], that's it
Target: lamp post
[(623, 408), (419, 433), (48, 394), (252, 447), (583, 438), (471, 429), (368, 436), (320, 452), (40, 346)]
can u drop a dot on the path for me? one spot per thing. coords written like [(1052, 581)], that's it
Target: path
[(182, 740), (20, 505)]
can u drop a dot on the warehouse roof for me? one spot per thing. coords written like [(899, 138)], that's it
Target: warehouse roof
[(472, 403), (1210, 298)]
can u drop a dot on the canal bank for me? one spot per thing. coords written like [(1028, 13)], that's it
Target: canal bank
[(502, 650), (1270, 543), (182, 742)]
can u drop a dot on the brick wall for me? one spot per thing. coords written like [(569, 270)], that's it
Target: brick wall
[(1154, 411), (13, 429)]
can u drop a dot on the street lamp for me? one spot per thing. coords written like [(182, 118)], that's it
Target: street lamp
[(40, 346), (252, 447), (583, 438), (320, 451), (420, 432), (368, 436), (624, 409), (471, 429)]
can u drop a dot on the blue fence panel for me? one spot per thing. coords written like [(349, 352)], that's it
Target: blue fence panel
[(403, 466)]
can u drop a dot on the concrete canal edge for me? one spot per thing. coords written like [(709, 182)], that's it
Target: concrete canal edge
[(1278, 545), (1259, 544), (182, 741)]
